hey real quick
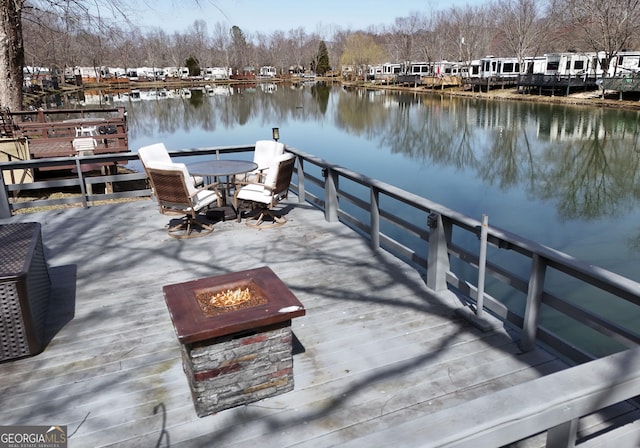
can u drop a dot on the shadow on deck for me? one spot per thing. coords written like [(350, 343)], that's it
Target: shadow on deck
[(378, 347)]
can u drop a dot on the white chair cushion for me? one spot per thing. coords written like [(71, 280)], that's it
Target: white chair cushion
[(154, 153), (256, 193), (204, 198), (158, 153), (272, 173), (264, 153)]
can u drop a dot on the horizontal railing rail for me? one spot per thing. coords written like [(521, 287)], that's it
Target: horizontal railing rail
[(551, 406), (80, 181), (427, 235), (335, 201), (370, 212)]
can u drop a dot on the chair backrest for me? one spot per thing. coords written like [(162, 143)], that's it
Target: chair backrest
[(266, 151), (280, 173), (177, 167), (154, 153), (171, 185)]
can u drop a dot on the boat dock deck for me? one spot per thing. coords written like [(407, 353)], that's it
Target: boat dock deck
[(51, 133), (376, 346)]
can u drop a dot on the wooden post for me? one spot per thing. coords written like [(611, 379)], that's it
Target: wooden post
[(438, 256), (482, 262), (564, 435), (534, 301), (330, 195), (301, 192), (374, 212), (81, 180)]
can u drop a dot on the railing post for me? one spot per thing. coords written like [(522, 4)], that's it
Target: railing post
[(374, 212), (330, 194), (5, 207), (534, 301), (83, 190), (438, 257), (482, 264), (563, 436), (301, 194)]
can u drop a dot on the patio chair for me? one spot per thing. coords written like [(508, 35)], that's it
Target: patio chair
[(266, 195), (84, 146), (157, 152), (263, 155), (176, 195)]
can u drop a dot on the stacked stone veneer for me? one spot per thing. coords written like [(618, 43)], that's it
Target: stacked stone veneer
[(239, 368)]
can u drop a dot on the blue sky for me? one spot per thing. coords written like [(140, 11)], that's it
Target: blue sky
[(264, 16)]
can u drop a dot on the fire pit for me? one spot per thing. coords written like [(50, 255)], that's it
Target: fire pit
[(235, 336)]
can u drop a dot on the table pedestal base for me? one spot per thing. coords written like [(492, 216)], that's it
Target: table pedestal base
[(222, 213)]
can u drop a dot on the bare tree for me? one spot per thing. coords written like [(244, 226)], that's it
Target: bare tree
[(297, 38), (401, 36), (12, 56), (607, 26), (277, 51), (428, 41), (221, 44), (468, 32), (521, 26)]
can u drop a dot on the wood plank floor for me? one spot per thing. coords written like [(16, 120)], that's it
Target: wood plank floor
[(377, 347)]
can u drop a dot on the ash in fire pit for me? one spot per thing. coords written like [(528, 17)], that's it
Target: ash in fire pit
[(214, 302)]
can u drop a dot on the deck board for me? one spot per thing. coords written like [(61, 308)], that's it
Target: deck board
[(378, 346)]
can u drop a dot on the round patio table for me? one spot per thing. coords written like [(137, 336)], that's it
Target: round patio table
[(218, 168), (222, 168)]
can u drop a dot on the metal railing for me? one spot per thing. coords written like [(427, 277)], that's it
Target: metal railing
[(446, 245)]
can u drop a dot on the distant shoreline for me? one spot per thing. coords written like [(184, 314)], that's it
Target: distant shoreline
[(590, 98)]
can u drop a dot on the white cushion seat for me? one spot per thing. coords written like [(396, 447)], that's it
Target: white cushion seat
[(157, 153)]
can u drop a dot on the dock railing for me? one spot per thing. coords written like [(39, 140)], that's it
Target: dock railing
[(526, 282)]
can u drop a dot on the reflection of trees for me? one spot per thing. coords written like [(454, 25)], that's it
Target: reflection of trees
[(360, 113), (238, 107), (438, 133), (321, 92), (584, 159), (593, 177), (508, 158)]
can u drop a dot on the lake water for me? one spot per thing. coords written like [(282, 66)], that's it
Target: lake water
[(564, 176)]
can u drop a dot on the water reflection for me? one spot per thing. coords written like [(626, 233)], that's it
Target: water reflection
[(518, 160), (583, 159)]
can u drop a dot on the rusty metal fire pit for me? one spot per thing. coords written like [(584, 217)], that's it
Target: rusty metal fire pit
[(235, 335)]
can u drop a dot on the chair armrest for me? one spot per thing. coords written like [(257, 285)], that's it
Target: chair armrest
[(207, 187), (241, 183)]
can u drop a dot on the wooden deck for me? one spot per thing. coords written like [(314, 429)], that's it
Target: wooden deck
[(376, 346)]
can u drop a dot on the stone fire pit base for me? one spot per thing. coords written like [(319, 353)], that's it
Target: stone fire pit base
[(240, 368), (237, 356)]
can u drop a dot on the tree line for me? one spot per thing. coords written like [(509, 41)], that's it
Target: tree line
[(67, 34)]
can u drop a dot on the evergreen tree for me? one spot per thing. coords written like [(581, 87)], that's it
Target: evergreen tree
[(193, 65), (322, 65), (239, 49)]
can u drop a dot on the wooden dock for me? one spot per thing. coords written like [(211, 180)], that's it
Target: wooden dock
[(51, 133), (376, 347)]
